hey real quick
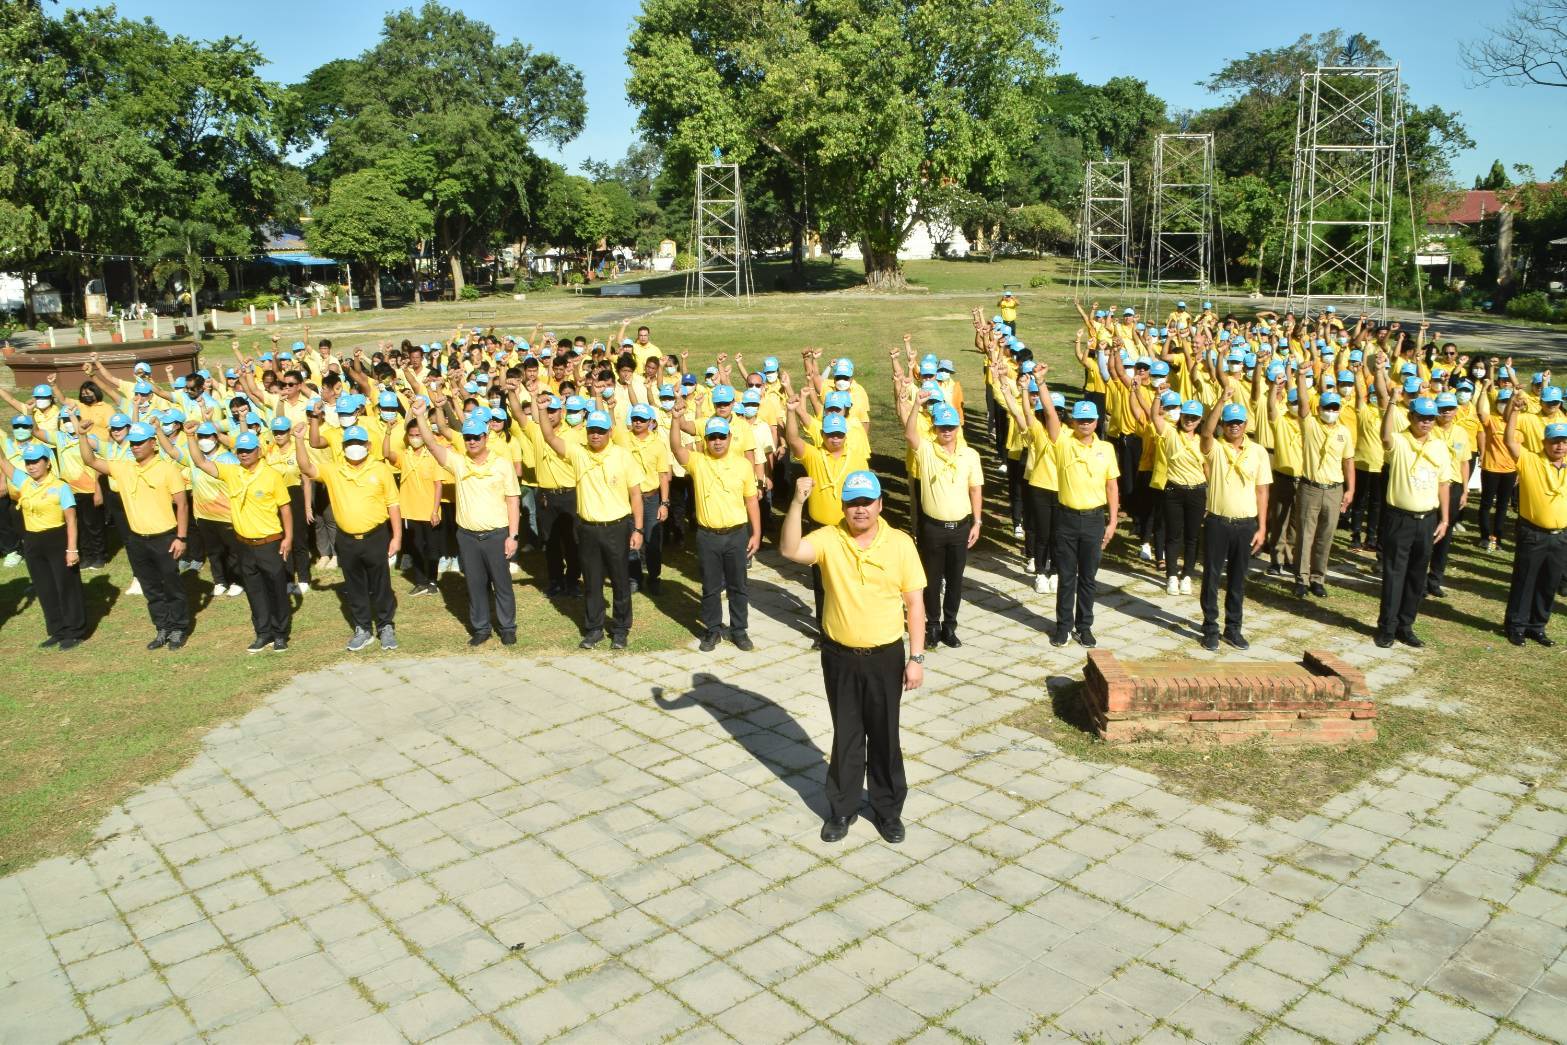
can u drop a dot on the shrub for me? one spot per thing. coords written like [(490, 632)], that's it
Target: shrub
[(1536, 305), (1038, 279), (684, 261), (470, 292), (574, 278)]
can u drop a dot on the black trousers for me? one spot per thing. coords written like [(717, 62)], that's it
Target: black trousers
[(1406, 556), (115, 509), (818, 592), (1078, 549), (1000, 421), (650, 560), (266, 589), (1226, 558), (1365, 511), (10, 526), (1015, 487), (91, 526), (220, 548), (944, 554), (58, 586), (367, 577), (1539, 563), (558, 529), (159, 575), (1440, 549), (864, 690), (682, 507), (604, 550), (299, 554), (1128, 450), (1280, 543), (483, 556), (1183, 513), (1039, 526), (723, 560), (425, 546), (1496, 493)]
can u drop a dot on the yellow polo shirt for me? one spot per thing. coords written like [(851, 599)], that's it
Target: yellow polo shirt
[(1542, 492), (1083, 470), (1233, 478), (362, 495), (652, 456), (1415, 470), (147, 492), (417, 475), (1458, 447), (1369, 456), (1323, 449), (1183, 460), (255, 495), (43, 504), (482, 489), (604, 482), (721, 486), (1495, 457), (553, 471), (1287, 449), (827, 473), (946, 479), (1041, 457), (864, 587)]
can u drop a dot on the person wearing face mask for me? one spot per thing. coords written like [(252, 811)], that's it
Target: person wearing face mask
[(1182, 484), (278, 452), (363, 494), (42, 408), (47, 507), (22, 437), (1498, 468), (1457, 439), (1324, 489), (558, 492), (84, 484), (212, 538), (157, 512), (1284, 404), (419, 484), (1540, 557)]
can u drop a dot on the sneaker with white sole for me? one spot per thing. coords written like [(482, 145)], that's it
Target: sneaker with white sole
[(1029, 567), (1173, 586), (1055, 583), (13, 559), (1041, 584), (514, 569), (359, 640), (304, 587), (1186, 585), (1017, 531), (1146, 552), (388, 637), (135, 588), (235, 590)]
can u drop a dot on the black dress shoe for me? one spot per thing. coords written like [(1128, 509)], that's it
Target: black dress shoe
[(742, 641), (949, 636), (508, 638), (1060, 638), (932, 636), (1539, 637), (1515, 637), (50, 641), (176, 640), (159, 640), (591, 639), (1210, 643), (1300, 590), (1383, 641), (1435, 590), (1319, 589), (479, 639), (259, 645), (618, 642), (1410, 639), (279, 645), (836, 828), (709, 642), (1085, 638), (891, 829), (66, 644), (1236, 639)]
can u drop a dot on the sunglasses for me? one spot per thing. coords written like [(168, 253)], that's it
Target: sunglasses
[(860, 502), (472, 438), (290, 384)]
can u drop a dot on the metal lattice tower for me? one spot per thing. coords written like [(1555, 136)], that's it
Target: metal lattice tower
[(1104, 234), (723, 260), (1180, 238), (1347, 136)]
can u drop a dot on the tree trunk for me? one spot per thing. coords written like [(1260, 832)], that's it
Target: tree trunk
[(27, 297), (883, 270), (375, 278), (457, 283), (195, 309), (1505, 276)]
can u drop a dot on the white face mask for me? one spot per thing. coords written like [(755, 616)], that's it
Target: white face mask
[(416, 441), (770, 378), (1311, 382), (21, 435), (1173, 414), (356, 451), (666, 405), (42, 404), (207, 445), (842, 384), (574, 417), (1464, 397), (170, 429), (389, 415), (1329, 417), (943, 376), (608, 392), (68, 427), (671, 370)]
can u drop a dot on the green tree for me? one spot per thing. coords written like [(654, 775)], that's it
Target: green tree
[(573, 214), (450, 113), (864, 104), (1038, 227), (366, 219), (181, 250), (1496, 178)]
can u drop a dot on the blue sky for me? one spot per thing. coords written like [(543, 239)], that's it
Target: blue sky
[(1144, 38)]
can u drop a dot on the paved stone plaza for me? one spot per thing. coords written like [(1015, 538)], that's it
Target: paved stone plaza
[(624, 848)]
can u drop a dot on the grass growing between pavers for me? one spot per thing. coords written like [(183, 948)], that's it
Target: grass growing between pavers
[(83, 729)]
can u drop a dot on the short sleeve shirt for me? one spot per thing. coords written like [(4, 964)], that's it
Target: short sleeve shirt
[(864, 587)]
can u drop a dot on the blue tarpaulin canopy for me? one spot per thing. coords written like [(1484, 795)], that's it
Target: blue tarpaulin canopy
[(299, 258)]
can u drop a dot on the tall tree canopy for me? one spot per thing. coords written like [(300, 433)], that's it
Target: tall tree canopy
[(367, 219)]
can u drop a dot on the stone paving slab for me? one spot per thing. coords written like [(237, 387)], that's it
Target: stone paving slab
[(492, 848)]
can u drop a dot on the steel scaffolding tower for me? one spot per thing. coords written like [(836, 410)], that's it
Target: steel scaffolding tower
[(1180, 237), (723, 261), (1104, 233), (1347, 136)]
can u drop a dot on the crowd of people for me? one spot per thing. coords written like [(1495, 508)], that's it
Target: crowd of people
[(1215, 439)]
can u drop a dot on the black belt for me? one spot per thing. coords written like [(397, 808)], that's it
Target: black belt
[(612, 522), (955, 524), (720, 530), (861, 651), (1184, 486), (361, 536), (1232, 518), (1540, 529), (1412, 515), (1320, 486), (1084, 511)]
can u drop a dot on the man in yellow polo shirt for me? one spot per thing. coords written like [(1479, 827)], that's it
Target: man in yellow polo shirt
[(652, 457), (873, 579), (157, 519), (1419, 470), (609, 522), (488, 514), (363, 495), (1324, 487), (264, 528), (951, 490), (1540, 556), (728, 527), (827, 465), (1233, 530)]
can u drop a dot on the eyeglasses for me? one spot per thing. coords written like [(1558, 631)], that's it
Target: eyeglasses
[(290, 384), (472, 438)]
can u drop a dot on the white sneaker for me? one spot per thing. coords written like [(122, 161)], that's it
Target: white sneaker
[(13, 559), (302, 588), (1041, 584), (1146, 553), (1173, 586), (514, 569), (1186, 585), (1017, 531), (444, 566), (235, 590), (1030, 567), (135, 588), (1054, 583)]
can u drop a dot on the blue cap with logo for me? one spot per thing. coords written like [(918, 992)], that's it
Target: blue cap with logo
[(1192, 407), (1232, 412), (770, 365), (35, 452), (43, 392), (723, 394), (838, 401), (843, 368), (1058, 400), (598, 419), (142, 388), (281, 423), (346, 404), (172, 417), (835, 424), (1552, 394), (944, 416), (641, 412), (388, 400), (355, 434), (1447, 401), (1424, 406), (1556, 430), (861, 486), (1330, 399), (119, 421), (575, 404), (1169, 399), (752, 396), (1159, 368), (1411, 385), (716, 426), (206, 428), (476, 425), (1085, 411), (245, 440), (946, 364), (140, 432), (1346, 377)]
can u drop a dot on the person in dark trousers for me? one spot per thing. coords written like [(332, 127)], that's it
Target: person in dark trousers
[(47, 508), (1498, 471), (363, 494), (653, 457), (488, 513), (157, 516), (1234, 527), (951, 492), (557, 498), (728, 527), (1540, 551), (1458, 446), (1184, 498), (874, 586)]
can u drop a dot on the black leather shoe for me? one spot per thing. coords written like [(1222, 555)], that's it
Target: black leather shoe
[(1060, 638), (836, 828), (1210, 643), (1085, 638), (1383, 641), (1236, 639), (1319, 589), (891, 829), (949, 636), (279, 645), (259, 645), (742, 641), (1515, 637), (932, 636), (508, 638), (1300, 590), (591, 639), (176, 640), (50, 641), (1435, 590), (1410, 639), (159, 640), (66, 644), (1539, 637), (709, 642), (618, 642), (479, 639)]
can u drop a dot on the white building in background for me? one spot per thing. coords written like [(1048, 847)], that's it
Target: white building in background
[(920, 245), (11, 291)]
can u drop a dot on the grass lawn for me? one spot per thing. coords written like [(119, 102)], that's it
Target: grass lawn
[(83, 729)]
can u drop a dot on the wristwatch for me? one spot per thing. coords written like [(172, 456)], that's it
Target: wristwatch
[(918, 658)]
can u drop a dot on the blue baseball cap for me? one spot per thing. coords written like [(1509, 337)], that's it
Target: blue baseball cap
[(1346, 377), (1552, 394), (119, 421), (281, 424), (206, 428), (1232, 412), (142, 368), (476, 425), (142, 388), (716, 426), (666, 391), (575, 404), (1169, 399), (1330, 399), (43, 392), (927, 369), (298, 346), (140, 432), (1556, 430), (1425, 406), (1180, 304), (1411, 385), (861, 486), (1128, 312), (843, 368), (266, 357), (1085, 411), (21, 421), (1409, 368), (1192, 407), (838, 401), (1537, 378), (1159, 368), (1058, 400), (553, 403), (752, 396), (245, 441), (946, 364), (172, 417), (770, 365), (944, 416), (1356, 355), (1504, 373), (355, 434), (346, 404), (688, 379), (642, 412), (1447, 401), (35, 452), (600, 420), (723, 394), (835, 424), (388, 400), (286, 357)]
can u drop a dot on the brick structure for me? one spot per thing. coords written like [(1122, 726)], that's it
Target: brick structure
[(1320, 700)]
